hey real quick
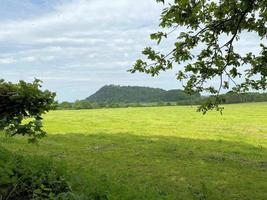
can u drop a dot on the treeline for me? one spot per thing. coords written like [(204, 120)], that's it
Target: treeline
[(228, 98), (244, 98), (83, 104)]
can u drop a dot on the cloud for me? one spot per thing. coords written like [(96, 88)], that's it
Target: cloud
[(7, 60), (77, 41), (77, 46)]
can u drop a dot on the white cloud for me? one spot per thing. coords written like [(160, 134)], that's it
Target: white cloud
[(7, 60), (77, 46), (29, 59)]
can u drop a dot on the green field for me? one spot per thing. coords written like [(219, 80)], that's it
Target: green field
[(159, 153)]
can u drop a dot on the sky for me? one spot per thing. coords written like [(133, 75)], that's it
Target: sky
[(77, 46)]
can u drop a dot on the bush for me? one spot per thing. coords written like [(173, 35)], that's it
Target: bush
[(22, 101), (30, 178)]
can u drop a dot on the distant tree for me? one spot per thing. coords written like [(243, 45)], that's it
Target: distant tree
[(65, 105), (21, 107), (204, 51), (78, 105)]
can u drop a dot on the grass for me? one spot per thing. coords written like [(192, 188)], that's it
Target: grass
[(160, 153)]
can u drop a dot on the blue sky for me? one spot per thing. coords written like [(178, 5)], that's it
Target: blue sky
[(77, 46)]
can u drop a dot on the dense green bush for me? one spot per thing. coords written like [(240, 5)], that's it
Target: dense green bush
[(20, 101), (30, 178), (39, 178)]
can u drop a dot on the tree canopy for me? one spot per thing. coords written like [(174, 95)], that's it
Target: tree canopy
[(207, 49), (24, 101)]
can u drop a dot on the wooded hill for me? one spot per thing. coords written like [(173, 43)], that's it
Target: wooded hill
[(136, 94), (112, 96)]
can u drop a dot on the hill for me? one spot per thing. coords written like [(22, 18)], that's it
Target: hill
[(136, 94)]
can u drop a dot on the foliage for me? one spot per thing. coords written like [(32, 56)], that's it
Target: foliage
[(228, 98), (77, 105), (233, 97), (202, 47), (82, 105), (159, 153), (30, 178), (24, 101)]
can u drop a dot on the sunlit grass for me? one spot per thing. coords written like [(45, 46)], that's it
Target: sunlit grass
[(160, 153)]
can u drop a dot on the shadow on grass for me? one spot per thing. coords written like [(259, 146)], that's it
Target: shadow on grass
[(127, 166)]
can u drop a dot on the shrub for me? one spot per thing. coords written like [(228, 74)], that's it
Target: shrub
[(30, 178), (24, 101)]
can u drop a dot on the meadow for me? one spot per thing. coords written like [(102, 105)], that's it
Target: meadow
[(159, 152)]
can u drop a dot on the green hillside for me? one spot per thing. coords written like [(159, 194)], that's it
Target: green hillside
[(135, 94)]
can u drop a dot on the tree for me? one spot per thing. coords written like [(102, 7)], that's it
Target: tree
[(21, 107), (205, 52), (64, 105)]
